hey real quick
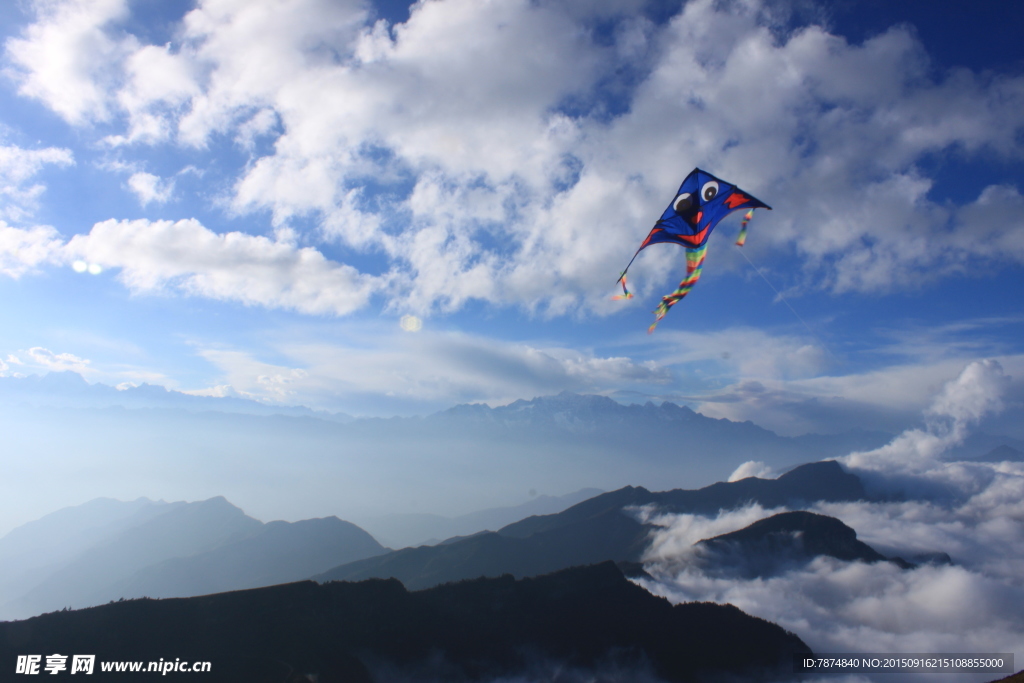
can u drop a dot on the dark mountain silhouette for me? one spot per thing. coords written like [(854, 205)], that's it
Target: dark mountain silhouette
[(280, 552), (593, 531), (588, 620), (816, 481), (772, 545), (934, 558)]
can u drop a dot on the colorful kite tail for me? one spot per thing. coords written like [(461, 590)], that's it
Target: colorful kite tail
[(694, 266), (626, 294), (742, 239)]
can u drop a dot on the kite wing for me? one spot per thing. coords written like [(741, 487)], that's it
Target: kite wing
[(700, 203)]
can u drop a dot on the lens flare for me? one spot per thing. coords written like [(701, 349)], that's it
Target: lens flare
[(80, 266), (411, 323)]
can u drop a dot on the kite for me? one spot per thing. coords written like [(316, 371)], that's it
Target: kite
[(701, 202)]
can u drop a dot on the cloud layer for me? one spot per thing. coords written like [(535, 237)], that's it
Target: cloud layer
[(972, 511), (502, 152)]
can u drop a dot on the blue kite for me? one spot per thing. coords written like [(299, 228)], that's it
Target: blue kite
[(701, 202)]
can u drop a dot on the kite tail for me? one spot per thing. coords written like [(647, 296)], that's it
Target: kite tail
[(742, 239), (626, 294), (694, 266)]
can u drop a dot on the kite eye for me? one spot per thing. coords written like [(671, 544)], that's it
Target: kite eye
[(682, 203), (709, 190)]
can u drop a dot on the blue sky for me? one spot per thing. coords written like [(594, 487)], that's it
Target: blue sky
[(256, 193)]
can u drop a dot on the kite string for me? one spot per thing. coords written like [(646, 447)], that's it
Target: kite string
[(779, 294)]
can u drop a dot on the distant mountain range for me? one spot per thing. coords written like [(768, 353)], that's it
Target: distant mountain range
[(162, 550), (106, 549), (595, 530), (587, 419), (387, 471), (578, 624), (543, 597), (165, 550)]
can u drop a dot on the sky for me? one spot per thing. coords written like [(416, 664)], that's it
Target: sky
[(389, 209)]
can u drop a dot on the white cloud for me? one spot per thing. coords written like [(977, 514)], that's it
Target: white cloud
[(505, 176), (69, 57), (159, 83), (58, 362), (23, 250), (150, 188), (887, 398), (977, 392), (426, 371), (973, 511), (185, 256), (17, 165), (752, 468)]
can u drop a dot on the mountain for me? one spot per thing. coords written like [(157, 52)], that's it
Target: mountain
[(601, 417), (595, 530), (471, 455), (808, 483), (586, 623), (280, 552), (184, 529), (41, 546), (775, 544), (405, 530), (173, 549)]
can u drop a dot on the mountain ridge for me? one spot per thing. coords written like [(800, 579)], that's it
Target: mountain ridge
[(586, 619), (595, 530), (201, 547)]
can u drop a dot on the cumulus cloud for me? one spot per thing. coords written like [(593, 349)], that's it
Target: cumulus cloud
[(69, 57), (23, 250), (186, 256), (961, 404), (515, 180), (17, 165), (150, 188)]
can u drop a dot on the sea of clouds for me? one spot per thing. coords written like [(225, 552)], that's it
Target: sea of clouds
[(921, 503)]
